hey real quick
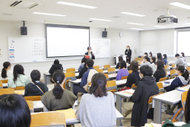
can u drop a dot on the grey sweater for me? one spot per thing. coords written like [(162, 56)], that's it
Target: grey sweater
[(97, 111)]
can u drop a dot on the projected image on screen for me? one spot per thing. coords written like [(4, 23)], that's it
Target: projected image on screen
[(183, 42), (66, 40)]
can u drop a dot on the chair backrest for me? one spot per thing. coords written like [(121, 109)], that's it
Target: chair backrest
[(174, 118), (160, 85), (111, 86), (111, 70), (133, 86), (172, 72), (150, 98), (30, 105), (183, 99), (69, 74), (48, 118), (124, 77), (188, 68), (19, 88), (130, 71), (1, 84), (33, 98), (96, 67), (163, 79), (106, 76), (4, 80), (106, 66), (70, 70), (166, 67), (6, 91), (99, 70), (139, 59), (173, 65)]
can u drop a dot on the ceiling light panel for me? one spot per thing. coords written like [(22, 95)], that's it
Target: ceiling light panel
[(50, 14), (177, 4), (133, 14), (76, 5), (131, 23), (105, 20)]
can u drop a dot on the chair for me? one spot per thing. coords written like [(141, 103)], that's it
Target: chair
[(160, 86), (70, 70), (111, 86), (163, 79), (96, 67), (173, 66), (1, 84), (4, 80), (19, 88), (6, 91), (69, 76), (167, 67), (130, 71), (133, 86), (48, 118), (124, 77), (106, 66), (111, 70), (32, 98), (100, 70), (30, 105), (188, 69), (106, 76), (177, 113), (183, 99), (172, 74)]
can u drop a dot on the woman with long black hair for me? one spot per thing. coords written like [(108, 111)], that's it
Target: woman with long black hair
[(6, 73)]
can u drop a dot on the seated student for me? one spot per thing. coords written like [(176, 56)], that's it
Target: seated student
[(6, 72), (146, 61), (181, 80), (146, 87), (82, 64), (83, 70), (186, 114), (134, 76), (120, 58), (56, 66), (18, 78), (58, 98), (159, 56), (86, 78), (122, 71), (14, 111), (153, 64), (35, 88), (160, 72), (145, 54), (150, 55), (165, 59), (183, 55), (179, 60), (97, 109)]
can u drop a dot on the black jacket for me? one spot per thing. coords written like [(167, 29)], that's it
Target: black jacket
[(132, 78), (159, 74), (93, 57), (84, 69), (32, 90), (146, 87), (55, 67), (128, 53)]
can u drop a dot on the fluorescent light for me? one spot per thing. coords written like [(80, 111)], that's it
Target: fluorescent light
[(106, 20), (50, 14), (177, 4), (131, 23), (76, 5), (159, 26), (136, 29), (133, 14)]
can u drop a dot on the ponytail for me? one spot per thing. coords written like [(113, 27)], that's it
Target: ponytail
[(58, 77), (18, 69), (185, 75), (3, 73)]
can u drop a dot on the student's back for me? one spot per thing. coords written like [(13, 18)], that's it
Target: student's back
[(55, 66), (122, 71), (160, 72)]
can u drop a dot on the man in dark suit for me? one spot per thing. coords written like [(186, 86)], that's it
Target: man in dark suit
[(128, 54), (90, 53)]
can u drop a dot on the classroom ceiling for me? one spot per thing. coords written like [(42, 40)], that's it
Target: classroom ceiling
[(106, 9)]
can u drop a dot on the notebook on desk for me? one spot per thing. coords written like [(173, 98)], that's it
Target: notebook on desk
[(129, 91)]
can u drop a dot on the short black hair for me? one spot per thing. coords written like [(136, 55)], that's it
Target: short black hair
[(35, 75), (122, 64), (147, 58), (88, 48), (56, 61), (165, 56), (159, 56), (176, 55), (150, 53), (120, 58), (146, 70), (146, 53), (14, 107), (154, 59), (83, 60), (90, 62), (134, 65)]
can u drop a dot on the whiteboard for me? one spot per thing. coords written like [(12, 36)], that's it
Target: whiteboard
[(100, 47), (26, 49)]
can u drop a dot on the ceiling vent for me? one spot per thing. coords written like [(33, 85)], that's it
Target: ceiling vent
[(24, 4), (33, 5), (15, 3)]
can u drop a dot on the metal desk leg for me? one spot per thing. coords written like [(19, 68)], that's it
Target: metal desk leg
[(157, 111), (118, 107), (45, 80)]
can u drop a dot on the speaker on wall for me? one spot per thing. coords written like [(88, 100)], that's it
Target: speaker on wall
[(23, 29), (104, 33)]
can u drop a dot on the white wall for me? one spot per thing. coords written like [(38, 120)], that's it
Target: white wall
[(118, 45), (162, 41)]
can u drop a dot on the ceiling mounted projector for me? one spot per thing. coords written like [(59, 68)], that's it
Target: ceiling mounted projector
[(167, 19)]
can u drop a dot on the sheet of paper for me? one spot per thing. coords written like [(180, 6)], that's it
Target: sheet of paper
[(129, 91), (69, 113)]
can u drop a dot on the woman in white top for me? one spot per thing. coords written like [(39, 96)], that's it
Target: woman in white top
[(97, 109), (18, 78), (146, 61), (6, 72), (153, 64)]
